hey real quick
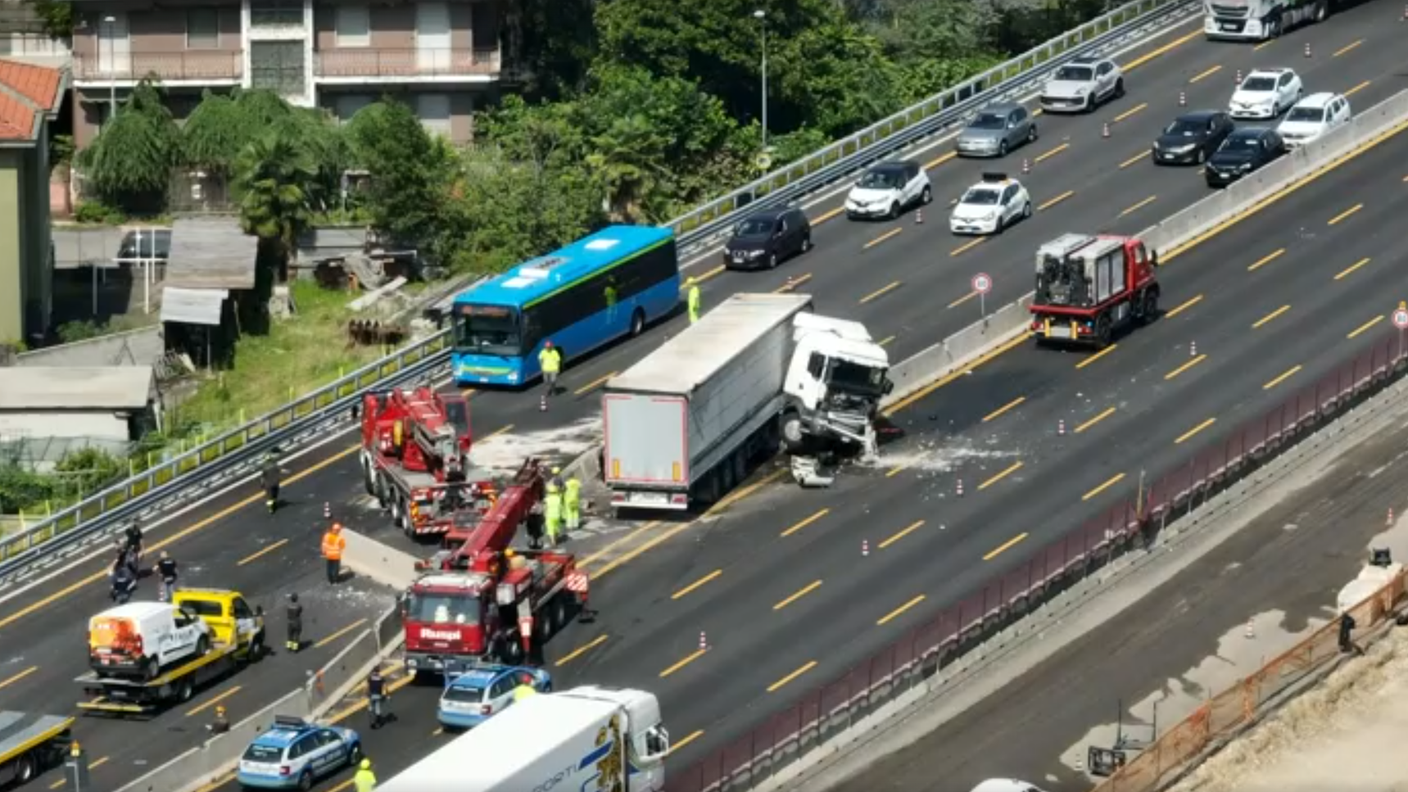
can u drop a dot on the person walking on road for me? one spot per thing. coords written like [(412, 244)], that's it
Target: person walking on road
[(364, 780), (376, 698), (269, 478), (572, 504), (550, 361), (166, 570), (552, 510), (333, 545), (294, 612), (692, 300)]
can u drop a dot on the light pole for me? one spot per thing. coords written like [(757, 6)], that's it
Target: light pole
[(109, 21), (761, 16)]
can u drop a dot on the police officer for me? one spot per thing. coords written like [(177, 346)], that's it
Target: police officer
[(572, 503), (552, 510), (166, 570), (376, 698), (364, 780), (692, 300), (133, 544), (550, 361), (269, 479), (294, 613)]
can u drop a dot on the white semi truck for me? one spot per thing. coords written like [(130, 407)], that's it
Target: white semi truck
[(589, 737), (685, 423), (1260, 20)]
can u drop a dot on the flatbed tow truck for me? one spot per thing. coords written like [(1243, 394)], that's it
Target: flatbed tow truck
[(31, 744)]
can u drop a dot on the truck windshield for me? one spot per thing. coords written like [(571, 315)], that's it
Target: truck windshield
[(854, 377), (457, 413), (436, 608), (488, 330)]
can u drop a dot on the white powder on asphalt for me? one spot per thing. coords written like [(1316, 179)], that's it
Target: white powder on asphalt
[(938, 456), (504, 453)]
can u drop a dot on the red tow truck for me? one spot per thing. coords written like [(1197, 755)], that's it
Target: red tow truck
[(1090, 286), (481, 599), (415, 460)]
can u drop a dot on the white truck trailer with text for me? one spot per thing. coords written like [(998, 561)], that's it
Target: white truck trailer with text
[(686, 422), (1260, 20), (589, 737)]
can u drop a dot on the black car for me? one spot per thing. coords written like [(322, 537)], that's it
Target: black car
[(147, 244), (1242, 152), (764, 239), (1192, 138)]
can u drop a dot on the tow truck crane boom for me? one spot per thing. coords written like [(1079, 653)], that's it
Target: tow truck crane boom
[(496, 530)]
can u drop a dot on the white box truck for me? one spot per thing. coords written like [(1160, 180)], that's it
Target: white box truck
[(590, 737), (686, 421)]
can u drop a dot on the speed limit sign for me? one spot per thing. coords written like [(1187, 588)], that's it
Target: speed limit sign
[(1400, 317), (982, 283)]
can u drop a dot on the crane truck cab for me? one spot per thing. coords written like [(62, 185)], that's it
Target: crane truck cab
[(835, 381), (1088, 287)]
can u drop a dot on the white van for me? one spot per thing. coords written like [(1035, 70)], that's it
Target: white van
[(141, 638)]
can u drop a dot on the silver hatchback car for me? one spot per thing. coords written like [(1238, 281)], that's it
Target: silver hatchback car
[(996, 130)]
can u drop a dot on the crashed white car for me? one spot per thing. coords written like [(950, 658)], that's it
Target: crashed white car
[(990, 206)]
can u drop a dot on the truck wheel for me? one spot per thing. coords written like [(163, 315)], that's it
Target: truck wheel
[(381, 490), (368, 480), (1103, 331), (792, 435), (151, 669), (558, 613), (185, 690), (511, 651), (202, 646), (1150, 310), (26, 768)]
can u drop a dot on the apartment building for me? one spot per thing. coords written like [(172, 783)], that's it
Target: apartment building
[(442, 57)]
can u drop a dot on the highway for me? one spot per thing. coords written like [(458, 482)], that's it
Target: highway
[(833, 623)]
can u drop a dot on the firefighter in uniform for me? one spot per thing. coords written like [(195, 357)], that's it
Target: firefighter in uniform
[(333, 545), (552, 510), (572, 503), (692, 300), (550, 361), (295, 623)]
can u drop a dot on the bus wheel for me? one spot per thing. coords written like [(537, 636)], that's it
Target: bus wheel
[(637, 323)]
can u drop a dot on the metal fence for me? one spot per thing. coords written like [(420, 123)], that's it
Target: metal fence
[(1243, 704), (827, 710)]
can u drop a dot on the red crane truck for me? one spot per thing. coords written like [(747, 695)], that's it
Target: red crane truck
[(415, 460), (485, 600), (1090, 286)]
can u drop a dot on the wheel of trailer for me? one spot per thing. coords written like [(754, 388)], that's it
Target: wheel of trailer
[(740, 464), (1273, 28), (1103, 331), (26, 768), (637, 322), (185, 689), (368, 480), (381, 490), (512, 651)]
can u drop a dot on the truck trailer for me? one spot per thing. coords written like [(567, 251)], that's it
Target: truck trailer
[(687, 421), (31, 744), (589, 737), (1260, 20)]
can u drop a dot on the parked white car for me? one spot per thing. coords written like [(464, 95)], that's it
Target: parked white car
[(990, 206), (1312, 117), (141, 638), (888, 189), (1265, 94)]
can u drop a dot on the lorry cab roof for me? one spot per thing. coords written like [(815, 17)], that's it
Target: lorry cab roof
[(454, 581)]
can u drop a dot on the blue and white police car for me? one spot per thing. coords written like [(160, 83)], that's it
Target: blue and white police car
[(294, 754), (472, 697)]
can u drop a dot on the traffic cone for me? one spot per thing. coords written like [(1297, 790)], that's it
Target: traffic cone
[(865, 547), (327, 510), (1105, 130), (1182, 98), (919, 217), (1389, 521), (960, 488), (1192, 349), (542, 404), (1061, 427), (1238, 78), (1026, 166), (1307, 49), (703, 641), (1251, 629)]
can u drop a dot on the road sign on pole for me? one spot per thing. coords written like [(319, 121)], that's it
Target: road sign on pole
[(982, 284)]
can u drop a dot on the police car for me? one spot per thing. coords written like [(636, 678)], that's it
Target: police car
[(472, 697), (990, 206), (294, 753)]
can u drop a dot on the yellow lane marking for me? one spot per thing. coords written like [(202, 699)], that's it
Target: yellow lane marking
[(505, 429), (953, 375), (886, 340), (1110, 482), (1356, 89), (439, 730), (792, 283), (939, 160), (1357, 331), (1148, 56), (1267, 259), (1004, 408), (877, 240), (1273, 383), (17, 677), (352, 709), (1108, 411), (345, 630), (689, 738), (804, 523), (1058, 199), (801, 592), (1347, 48), (1190, 364), (581, 650), (1143, 155), (91, 765), (207, 705), (967, 246), (665, 536), (1053, 152), (1185, 305), (965, 298), (698, 653), (1200, 427), (895, 471), (1102, 353), (774, 687), (911, 528), (1263, 320), (1346, 213), (1005, 546), (600, 554), (1131, 111), (696, 584), (880, 292), (259, 554), (1140, 205), (1208, 73), (1262, 45), (1351, 268), (887, 618), (707, 275), (828, 215), (594, 384), (1010, 469)]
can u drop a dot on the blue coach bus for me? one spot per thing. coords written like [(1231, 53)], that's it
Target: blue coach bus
[(587, 294)]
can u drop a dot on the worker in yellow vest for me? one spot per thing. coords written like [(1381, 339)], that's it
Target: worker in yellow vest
[(552, 511), (572, 503), (550, 361), (365, 779), (692, 300)]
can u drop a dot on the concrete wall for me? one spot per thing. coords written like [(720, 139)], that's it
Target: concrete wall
[(26, 284)]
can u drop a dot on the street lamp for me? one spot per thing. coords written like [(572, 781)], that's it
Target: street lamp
[(761, 16), (109, 21)]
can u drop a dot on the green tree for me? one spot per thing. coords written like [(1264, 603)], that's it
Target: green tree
[(130, 162), (21, 488), (410, 174), (81, 473), (56, 16), (276, 179), (215, 133), (552, 44)]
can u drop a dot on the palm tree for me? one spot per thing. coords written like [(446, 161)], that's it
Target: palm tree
[(276, 178)]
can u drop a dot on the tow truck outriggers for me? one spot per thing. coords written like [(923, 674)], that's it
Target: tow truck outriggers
[(1088, 287)]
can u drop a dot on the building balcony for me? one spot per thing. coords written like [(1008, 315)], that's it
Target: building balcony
[(407, 65), (206, 66)]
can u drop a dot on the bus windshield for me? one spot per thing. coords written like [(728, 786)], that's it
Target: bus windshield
[(488, 330)]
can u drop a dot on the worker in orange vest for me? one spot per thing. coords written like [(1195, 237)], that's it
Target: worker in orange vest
[(333, 545)]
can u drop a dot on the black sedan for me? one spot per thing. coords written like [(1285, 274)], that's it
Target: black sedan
[(1192, 138), (764, 239), (1241, 153)]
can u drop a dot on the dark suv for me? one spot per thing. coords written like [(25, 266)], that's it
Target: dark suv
[(764, 239)]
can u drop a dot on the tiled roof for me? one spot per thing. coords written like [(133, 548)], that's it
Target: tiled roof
[(25, 92)]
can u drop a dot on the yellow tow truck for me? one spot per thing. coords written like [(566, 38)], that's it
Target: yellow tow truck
[(237, 631)]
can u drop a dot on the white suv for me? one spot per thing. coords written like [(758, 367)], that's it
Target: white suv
[(1081, 85), (1312, 117), (888, 189), (1265, 93)]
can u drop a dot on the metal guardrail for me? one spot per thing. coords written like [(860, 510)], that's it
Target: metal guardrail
[(136, 496)]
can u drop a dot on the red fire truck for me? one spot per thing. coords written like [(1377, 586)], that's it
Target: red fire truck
[(415, 460), (1088, 287), (484, 599)]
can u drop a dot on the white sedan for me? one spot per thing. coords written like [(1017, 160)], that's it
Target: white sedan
[(990, 206)]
